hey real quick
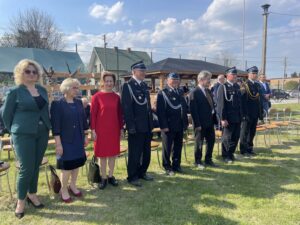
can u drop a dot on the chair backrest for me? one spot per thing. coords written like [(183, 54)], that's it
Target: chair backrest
[(273, 114), (287, 114)]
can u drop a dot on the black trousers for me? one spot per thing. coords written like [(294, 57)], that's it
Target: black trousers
[(139, 154), (172, 144), (248, 130), (230, 139), (209, 135)]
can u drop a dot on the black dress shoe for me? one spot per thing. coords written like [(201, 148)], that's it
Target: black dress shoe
[(170, 173), (228, 160), (40, 206), (210, 163), (136, 183), (19, 215), (147, 177), (102, 184), (112, 180), (245, 155), (178, 170), (252, 153)]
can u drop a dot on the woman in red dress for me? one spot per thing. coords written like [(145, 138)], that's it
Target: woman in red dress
[(106, 126)]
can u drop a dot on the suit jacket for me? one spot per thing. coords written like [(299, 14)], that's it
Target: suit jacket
[(20, 112), (200, 109), (214, 90), (251, 108), (63, 120), (138, 118), (264, 91), (229, 110), (174, 119)]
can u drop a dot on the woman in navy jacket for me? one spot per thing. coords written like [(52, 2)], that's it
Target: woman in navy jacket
[(68, 127)]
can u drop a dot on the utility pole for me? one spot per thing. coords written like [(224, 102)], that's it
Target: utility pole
[(104, 39), (76, 47), (118, 75), (243, 47), (179, 56), (151, 56), (205, 59), (264, 44), (284, 67)]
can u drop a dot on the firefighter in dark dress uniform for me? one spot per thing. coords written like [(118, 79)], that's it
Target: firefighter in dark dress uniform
[(172, 116), (230, 114), (136, 106), (252, 111)]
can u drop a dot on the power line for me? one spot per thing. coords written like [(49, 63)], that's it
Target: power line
[(284, 14)]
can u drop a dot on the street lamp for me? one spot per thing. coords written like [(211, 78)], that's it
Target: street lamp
[(264, 46)]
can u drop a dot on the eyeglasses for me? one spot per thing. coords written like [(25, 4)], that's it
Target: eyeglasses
[(30, 71), (75, 87)]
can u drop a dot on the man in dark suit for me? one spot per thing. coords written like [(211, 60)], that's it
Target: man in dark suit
[(252, 110), (172, 116), (136, 106), (266, 93), (204, 117), (230, 113), (214, 91)]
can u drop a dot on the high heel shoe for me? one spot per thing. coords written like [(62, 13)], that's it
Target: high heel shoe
[(40, 206), (19, 215), (65, 200), (78, 194)]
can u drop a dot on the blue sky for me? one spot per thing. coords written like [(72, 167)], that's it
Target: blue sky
[(168, 28)]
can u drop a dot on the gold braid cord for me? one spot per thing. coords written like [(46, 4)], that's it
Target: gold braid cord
[(254, 97)]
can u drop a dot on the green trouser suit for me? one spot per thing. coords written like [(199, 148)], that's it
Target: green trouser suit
[(29, 126)]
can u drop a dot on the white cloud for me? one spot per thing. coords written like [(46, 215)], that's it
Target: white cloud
[(205, 36), (111, 14), (295, 22)]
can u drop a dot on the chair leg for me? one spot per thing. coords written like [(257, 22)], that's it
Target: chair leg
[(126, 162), (47, 179), (184, 149), (15, 181), (277, 134), (8, 185), (158, 157), (265, 140)]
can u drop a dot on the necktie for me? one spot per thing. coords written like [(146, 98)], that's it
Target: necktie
[(208, 97)]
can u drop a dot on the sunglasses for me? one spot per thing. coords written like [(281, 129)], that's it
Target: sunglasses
[(30, 71)]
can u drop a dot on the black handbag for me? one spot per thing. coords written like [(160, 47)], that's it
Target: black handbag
[(55, 183), (94, 172)]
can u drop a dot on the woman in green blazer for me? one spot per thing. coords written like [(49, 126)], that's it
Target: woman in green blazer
[(26, 116)]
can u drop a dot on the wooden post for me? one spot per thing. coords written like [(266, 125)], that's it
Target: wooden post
[(161, 81), (153, 84)]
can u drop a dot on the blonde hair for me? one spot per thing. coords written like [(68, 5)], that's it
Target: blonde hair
[(21, 66), (106, 74), (67, 84)]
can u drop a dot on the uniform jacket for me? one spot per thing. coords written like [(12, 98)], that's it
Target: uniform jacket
[(229, 110), (174, 119), (138, 118)]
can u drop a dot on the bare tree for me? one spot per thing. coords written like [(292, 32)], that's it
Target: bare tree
[(226, 59), (33, 29)]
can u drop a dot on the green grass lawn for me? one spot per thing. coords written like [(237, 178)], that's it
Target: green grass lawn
[(294, 106), (261, 190)]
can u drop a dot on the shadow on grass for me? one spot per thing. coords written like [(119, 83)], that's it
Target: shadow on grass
[(184, 198)]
